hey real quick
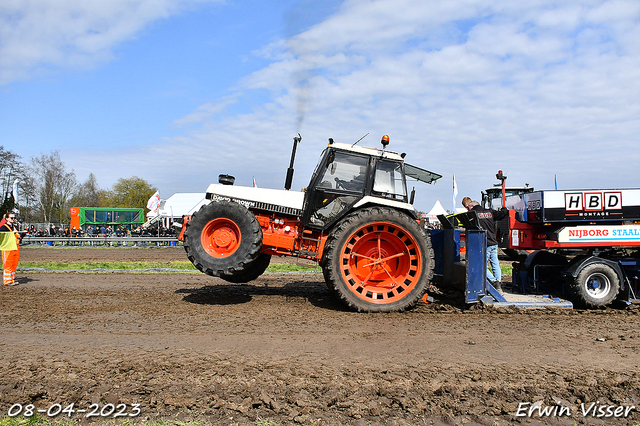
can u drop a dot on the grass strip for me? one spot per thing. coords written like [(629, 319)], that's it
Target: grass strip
[(175, 265), (506, 269), (65, 266)]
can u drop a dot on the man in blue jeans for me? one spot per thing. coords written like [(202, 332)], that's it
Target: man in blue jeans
[(487, 221)]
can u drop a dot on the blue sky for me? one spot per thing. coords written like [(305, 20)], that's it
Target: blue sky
[(179, 91)]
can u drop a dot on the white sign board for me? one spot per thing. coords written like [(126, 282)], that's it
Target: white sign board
[(600, 234)]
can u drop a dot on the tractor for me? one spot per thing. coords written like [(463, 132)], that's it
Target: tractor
[(500, 195), (355, 218)]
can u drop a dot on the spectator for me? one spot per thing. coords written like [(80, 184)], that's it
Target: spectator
[(10, 249), (487, 221)]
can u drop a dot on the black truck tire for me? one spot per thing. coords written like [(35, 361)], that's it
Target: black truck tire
[(223, 238), (516, 254), (251, 271), (378, 260), (596, 285)]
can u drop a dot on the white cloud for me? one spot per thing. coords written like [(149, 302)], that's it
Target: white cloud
[(467, 87), (39, 34), (534, 88), (205, 112)]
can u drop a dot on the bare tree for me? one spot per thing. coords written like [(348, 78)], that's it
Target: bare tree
[(54, 187), (29, 200), (89, 194), (10, 169)]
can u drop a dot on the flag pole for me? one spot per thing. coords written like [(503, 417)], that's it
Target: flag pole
[(455, 193)]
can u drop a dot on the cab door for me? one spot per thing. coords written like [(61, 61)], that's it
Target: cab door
[(338, 183)]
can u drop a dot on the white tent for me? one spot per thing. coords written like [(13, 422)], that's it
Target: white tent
[(181, 204), (176, 206), (437, 209)]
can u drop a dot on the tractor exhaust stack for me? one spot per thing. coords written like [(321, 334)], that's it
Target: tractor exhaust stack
[(289, 180)]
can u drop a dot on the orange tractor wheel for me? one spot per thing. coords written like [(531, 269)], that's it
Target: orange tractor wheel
[(223, 239), (378, 260)]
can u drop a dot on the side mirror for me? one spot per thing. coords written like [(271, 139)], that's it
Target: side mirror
[(413, 196)]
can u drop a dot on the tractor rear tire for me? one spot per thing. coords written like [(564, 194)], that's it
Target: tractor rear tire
[(223, 238), (378, 260), (595, 286), (252, 271)]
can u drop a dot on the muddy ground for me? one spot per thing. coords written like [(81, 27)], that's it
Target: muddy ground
[(187, 346)]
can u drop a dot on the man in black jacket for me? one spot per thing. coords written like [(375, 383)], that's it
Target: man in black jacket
[(487, 221)]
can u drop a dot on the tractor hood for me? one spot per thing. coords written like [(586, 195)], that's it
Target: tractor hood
[(271, 199)]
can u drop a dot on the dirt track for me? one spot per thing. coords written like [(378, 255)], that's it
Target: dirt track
[(187, 346)]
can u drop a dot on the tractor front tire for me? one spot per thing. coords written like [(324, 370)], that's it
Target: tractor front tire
[(251, 271), (222, 239), (595, 286), (378, 260)]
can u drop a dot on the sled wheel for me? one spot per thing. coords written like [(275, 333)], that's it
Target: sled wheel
[(596, 285), (378, 260), (223, 238), (252, 270)]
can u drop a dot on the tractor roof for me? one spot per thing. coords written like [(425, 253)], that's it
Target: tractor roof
[(366, 151), (498, 188), (411, 171)]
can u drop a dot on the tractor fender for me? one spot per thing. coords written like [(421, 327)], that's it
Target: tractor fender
[(400, 207), (369, 201), (580, 263)]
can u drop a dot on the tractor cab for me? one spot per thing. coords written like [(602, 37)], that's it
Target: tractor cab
[(492, 197), (349, 176)]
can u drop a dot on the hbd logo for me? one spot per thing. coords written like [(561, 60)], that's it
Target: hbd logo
[(592, 201)]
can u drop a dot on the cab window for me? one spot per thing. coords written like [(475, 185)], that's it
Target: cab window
[(345, 172), (389, 180), (341, 184)]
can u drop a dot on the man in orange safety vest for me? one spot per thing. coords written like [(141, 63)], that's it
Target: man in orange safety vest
[(10, 246)]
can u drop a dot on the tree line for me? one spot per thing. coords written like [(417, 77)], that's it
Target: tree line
[(47, 189)]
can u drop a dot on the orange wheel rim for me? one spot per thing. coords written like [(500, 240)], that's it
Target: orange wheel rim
[(220, 237), (381, 262)]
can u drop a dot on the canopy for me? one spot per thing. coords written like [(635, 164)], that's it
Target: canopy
[(181, 204), (435, 211)]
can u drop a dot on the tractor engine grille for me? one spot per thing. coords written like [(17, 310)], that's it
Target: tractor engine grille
[(258, 205), (275, 208)]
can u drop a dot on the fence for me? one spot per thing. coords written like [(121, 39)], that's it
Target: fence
[(101, 241)]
